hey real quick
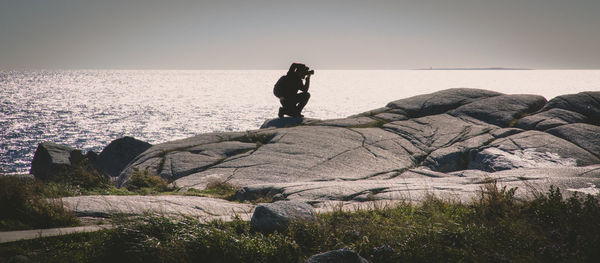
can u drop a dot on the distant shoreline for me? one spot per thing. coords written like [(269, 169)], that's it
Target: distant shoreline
[(492, 68)]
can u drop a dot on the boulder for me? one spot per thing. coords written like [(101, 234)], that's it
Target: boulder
[(268, 218), (120, 152), (50, 159), (337, 256), (584, 103)]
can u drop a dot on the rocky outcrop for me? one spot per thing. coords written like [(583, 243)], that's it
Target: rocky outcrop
[(118, 154), (50, 159), (445, 132), (447, 143)]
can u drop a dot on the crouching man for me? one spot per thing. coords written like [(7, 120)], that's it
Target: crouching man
[(287, 88)]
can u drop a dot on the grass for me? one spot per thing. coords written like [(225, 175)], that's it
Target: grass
[(30, 203), (259, 138), (147, 183), (215, 189), (495, 227), (26, 203)]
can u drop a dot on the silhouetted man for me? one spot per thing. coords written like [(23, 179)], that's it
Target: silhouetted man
[(287, 87)]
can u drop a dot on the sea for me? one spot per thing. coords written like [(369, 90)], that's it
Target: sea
[(87, 109)]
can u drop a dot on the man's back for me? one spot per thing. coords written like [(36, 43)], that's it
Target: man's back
[(287, 86)]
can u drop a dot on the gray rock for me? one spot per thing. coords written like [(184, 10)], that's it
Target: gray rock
[(456, 157), (549, 119), (277, 216), (389, 117), (503, 111), (352, 122), (584, 103), (584, 135), (120, 152), (372, 112), (440, 102), (287, 122), (178, 164), (50, 159), (180, 158), (528, 150), (307, 153), (337, 256), (438, 131), (204, 208)]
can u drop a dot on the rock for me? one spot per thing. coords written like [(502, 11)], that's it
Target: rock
[(173, 160), (268, 218), (120, 152), (50, 159), (549, 119), (584, 135), (440, 102), (306, 153), (389, 117), (503, 110), (434, 132), (584, 103), (528, 150), (287, 122), (203, 208), (337, 256), (372, 112), (352, 122), (178, 164)]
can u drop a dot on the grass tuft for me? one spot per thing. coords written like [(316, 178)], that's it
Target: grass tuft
[(24, 204), (147, 183), (215, 189)]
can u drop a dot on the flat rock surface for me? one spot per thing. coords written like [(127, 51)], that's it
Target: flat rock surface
[(201, 207), (447, 143)]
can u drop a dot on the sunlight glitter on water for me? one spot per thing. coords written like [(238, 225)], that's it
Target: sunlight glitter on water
[(86, 109)]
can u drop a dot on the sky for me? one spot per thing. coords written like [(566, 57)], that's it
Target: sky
[(222, 34)]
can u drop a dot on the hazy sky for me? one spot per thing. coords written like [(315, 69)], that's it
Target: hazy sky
[(221, 34)]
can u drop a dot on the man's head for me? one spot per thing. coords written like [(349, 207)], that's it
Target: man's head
[(302, 71)]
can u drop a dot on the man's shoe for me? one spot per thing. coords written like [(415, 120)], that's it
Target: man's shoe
[(280, 114)]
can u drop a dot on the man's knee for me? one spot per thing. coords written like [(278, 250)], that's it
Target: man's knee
[(305, 96)]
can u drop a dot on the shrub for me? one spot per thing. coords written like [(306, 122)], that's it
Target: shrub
[(82, 175), (24, 205), (147, 183)]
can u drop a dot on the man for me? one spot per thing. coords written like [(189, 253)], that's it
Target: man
[(287, 87)]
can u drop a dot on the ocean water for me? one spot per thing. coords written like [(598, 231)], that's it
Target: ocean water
[(87, 109)]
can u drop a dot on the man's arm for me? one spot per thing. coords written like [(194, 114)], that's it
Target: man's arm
[(306, 84)]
